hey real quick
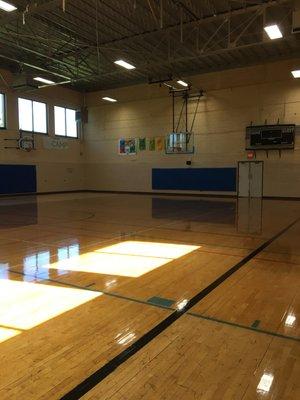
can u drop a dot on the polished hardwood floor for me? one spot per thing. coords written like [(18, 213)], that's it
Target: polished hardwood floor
[(84, 276)]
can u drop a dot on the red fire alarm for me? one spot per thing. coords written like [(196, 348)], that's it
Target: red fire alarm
[(250, 155)]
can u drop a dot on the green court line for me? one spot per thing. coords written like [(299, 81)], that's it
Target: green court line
[(250, 328), (89, 285), (255, 323), (12, 327), (73, 285), (135, 300)]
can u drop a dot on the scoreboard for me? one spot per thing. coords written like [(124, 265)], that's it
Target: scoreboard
[(268, 137)]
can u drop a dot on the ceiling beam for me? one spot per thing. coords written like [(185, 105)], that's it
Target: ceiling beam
[(33, 9), (200, 21), (34, 66)]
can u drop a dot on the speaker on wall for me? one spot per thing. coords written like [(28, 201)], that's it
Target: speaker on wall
[(82, 115)]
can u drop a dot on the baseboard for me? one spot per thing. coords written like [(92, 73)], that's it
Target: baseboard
[(162, 193), (281, 198), (144, 193), (41, 193)]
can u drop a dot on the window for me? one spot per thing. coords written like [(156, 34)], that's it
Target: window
[(32, 116), (2, 111), (65, 122)]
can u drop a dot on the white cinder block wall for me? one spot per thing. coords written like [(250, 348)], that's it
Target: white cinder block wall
[(233, 99)]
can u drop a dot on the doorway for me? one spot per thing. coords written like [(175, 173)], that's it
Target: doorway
[(250, 178)]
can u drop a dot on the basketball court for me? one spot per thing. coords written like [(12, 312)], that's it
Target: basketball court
[(149, 200), (105, 297)]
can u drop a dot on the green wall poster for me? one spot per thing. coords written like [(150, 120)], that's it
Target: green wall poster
[(152, 144), (142, 143)]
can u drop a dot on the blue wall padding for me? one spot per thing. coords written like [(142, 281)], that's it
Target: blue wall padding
[(204, 179), (17, 179)]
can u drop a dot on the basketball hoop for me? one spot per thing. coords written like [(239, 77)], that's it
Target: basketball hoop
[(26, 144)]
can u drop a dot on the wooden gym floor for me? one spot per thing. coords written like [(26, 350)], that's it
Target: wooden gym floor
[(109, 296)]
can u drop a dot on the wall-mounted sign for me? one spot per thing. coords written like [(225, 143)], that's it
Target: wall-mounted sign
[(55, 143)]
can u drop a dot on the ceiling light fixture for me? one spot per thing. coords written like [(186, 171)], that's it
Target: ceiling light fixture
[(296, 73), (182, 83), (109, 99), (124, 64), (43, 80), (7, 6), (273, 31)]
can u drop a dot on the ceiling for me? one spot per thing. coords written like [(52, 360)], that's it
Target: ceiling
[(162, 38)]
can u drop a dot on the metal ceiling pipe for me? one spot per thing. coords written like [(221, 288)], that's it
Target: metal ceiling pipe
[(35, 67)]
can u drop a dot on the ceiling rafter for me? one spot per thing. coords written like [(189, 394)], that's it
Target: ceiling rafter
[(161, 38)]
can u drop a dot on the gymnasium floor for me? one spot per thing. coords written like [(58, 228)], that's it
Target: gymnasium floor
[(110, 296)]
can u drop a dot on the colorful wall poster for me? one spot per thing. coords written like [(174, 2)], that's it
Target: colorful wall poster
[(159, 143), (142, 143), (152, 144), (127, 146)]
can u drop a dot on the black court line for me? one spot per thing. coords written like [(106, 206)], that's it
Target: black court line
[(94, 379), (147, 303)]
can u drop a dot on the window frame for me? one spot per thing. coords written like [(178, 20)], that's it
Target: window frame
[(65, 112), (32, 116), (4, 112)]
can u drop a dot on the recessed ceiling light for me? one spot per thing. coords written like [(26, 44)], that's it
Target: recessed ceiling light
[(109, 99), (7, 6), (182, 83), (43, 80), (273, 31), (124, 64), (296, 73)]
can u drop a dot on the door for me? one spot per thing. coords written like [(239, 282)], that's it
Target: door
[(243, 179), (250, 178), (256, 179)]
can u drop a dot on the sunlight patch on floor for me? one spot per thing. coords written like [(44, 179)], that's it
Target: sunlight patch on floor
[(24, 305), (130, 258), (7, 333)]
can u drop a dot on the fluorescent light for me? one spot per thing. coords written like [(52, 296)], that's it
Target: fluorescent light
[(43, 80), (296, 73), (109, 99), (273, 31), (124, 64), (182, 83), (6, 6)]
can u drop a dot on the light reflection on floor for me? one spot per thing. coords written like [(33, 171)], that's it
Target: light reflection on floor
[(24, 305), (130, 258)]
